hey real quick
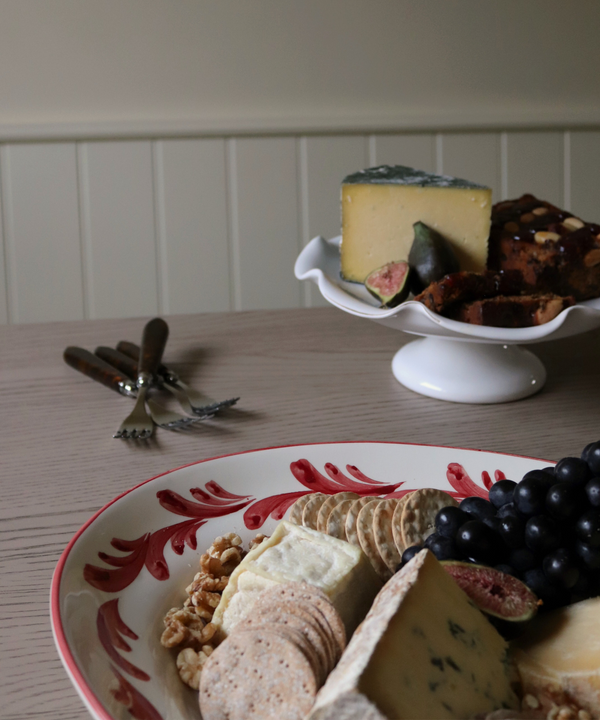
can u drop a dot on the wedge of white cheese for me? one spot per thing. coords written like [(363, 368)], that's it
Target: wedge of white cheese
[(295, 554), (424, 651), (558, 657), (380, 206)]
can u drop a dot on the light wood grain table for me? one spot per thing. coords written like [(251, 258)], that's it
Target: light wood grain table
[(303, 376)]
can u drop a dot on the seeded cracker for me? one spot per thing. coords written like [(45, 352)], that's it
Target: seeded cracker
[(397, 523), (245, 679), (352, 517), (328, 506), (418, 516), (366, 537), (336, 522), (311, 510), (298, 507), (384, 537)]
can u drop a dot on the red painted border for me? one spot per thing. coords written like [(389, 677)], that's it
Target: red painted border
[(57, 627)]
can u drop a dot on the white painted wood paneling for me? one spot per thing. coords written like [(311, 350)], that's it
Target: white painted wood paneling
[(325, 161), (413, 150), (585, 161), (473, 156), (41, 229), (191, 209), (4, 314), (121, 268), (535, 165), (265, 222)]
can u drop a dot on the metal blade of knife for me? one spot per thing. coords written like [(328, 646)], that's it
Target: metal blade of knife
[(192, 400)]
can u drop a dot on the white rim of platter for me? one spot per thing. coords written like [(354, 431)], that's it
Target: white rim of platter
[(453, 361), (130, 563)]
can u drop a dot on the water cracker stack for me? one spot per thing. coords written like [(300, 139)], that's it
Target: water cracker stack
[(275, 660)]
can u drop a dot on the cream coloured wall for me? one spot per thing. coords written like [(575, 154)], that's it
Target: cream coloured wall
[(128, 67)]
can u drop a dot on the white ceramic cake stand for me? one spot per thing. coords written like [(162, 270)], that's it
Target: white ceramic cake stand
[(453, 361)]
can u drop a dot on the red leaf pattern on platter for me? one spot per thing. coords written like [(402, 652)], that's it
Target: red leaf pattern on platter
[(111, 628), (465, 487), (487, 480), (139, 707), (148, 550), (499, 475), (305, 472)]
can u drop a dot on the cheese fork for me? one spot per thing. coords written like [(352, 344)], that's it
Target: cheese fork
[(190, 400)]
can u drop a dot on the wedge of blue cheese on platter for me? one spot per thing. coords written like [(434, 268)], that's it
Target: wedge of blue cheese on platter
[(299, 554), (424, 651), (380, 206)]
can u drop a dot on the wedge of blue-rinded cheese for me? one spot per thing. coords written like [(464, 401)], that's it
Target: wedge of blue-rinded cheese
[(558, 657), (423, 652), (380, 206), (295, 554)]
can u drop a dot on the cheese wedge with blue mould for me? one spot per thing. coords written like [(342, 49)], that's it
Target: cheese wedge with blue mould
[(424, 652), (380, 206), (297, 554)]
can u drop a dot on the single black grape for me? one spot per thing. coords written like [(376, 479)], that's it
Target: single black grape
[(443, 548), (502, 492), (589, 556), (545, 475), (512, 531), (508, 509), (410, 552), (530, 496), (542, 534), (552, 595), (477, 507), (449, 519), (592, 491), (582, 588), (560, 567), (572, 469), (522, 560), (476, 540), (549, 470), (565, 501), (503, 567), (493, 523), (591, 455), (587, 528)]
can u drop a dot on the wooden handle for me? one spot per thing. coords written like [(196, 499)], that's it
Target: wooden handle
[(89, 364), (154, 339), (133, 351), (119, 360)]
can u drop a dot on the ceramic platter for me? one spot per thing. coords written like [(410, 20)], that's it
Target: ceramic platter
[(131, 562), (453, 360)]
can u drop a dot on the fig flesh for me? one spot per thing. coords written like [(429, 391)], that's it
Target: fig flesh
[(390, 283), (495, 593), (431, 257)]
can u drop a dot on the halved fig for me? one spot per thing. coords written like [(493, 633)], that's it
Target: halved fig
[(389, 283), (494, 592)]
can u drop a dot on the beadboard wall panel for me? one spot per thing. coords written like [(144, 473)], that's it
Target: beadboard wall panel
[(122, 271), (41, 228), (535, 164), (265, 222), (128, 228), (584, 185), (191, 212), (324, 162)]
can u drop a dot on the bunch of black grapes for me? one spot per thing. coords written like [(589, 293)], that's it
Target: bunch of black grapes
[(545, 530)]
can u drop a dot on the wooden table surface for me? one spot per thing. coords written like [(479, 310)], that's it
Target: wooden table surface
[(303, 376)]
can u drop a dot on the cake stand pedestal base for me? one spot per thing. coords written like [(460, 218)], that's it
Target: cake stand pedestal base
[(468, 372)]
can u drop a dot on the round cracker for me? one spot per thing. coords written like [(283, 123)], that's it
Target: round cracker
[(352, 517), (298, 508), (397, 523), (366, 537), (311, 510), (257, 675), (418, 516), (328, 506), (336, 522), (384, 536)]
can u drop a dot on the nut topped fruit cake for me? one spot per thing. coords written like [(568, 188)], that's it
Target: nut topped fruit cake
[(555, 251)]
